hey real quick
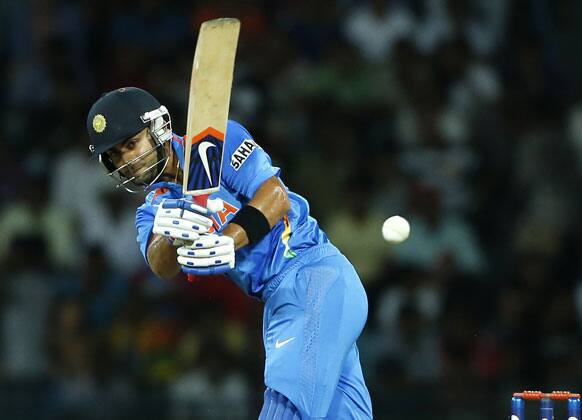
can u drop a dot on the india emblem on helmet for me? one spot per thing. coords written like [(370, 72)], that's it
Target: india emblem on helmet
[(99, 123)]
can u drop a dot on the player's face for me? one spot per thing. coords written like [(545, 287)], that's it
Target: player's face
[(143, 168)]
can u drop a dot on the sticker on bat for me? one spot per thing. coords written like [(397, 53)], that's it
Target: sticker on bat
[(206, 173)]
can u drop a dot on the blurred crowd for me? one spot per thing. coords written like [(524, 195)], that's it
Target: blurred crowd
[(464, 116)]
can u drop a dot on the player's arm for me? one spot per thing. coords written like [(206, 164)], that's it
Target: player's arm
[(215, 254), (176, 221), (162, 257), (268, 205)]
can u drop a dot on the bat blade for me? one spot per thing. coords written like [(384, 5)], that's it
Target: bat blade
[(209, 101)]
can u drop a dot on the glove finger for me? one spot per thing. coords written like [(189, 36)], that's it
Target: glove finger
[(182, 224), (211, 241), (183, 215), (207, 271), (163, 212), (176, 232), (205, 252), (206, 262), (184, 205), (196, 217)]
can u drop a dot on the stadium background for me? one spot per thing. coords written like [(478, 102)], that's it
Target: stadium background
[(463, 116)]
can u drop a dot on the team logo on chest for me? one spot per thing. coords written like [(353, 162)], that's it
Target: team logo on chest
[(221, 218), (242, 153)]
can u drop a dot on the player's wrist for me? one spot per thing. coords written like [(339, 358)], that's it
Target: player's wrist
[(237, 233), (253, 222)]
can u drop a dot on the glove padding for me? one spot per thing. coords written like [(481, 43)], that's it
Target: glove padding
[(181, 220), (208, 255)]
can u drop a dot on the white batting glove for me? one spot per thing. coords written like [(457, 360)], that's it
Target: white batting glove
[(181, 220), (208, 255)]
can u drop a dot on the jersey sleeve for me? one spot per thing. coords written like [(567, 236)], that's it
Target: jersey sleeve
[(246, 165), (144, 218)]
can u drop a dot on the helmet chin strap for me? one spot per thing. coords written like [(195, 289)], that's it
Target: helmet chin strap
[(160, 165)]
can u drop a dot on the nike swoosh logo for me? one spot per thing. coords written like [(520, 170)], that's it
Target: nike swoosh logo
[(202, 148), (279, 344)]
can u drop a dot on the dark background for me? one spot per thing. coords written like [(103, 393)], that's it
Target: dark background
[(463, 116)]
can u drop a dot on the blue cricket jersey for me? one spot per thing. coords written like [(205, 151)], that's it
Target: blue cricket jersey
[(245, 167)]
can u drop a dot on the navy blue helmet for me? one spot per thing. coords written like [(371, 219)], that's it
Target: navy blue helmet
[(119, 115)]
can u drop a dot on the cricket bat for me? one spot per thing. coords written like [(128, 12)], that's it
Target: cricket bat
[(210, 88)]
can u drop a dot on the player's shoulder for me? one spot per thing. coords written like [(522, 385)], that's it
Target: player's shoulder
[(237, 135), (236, 131), (240, 144)]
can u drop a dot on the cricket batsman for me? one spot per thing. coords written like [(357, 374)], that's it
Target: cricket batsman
[(263, 239)]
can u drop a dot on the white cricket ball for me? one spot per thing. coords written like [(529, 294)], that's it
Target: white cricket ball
[(395, 229)]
